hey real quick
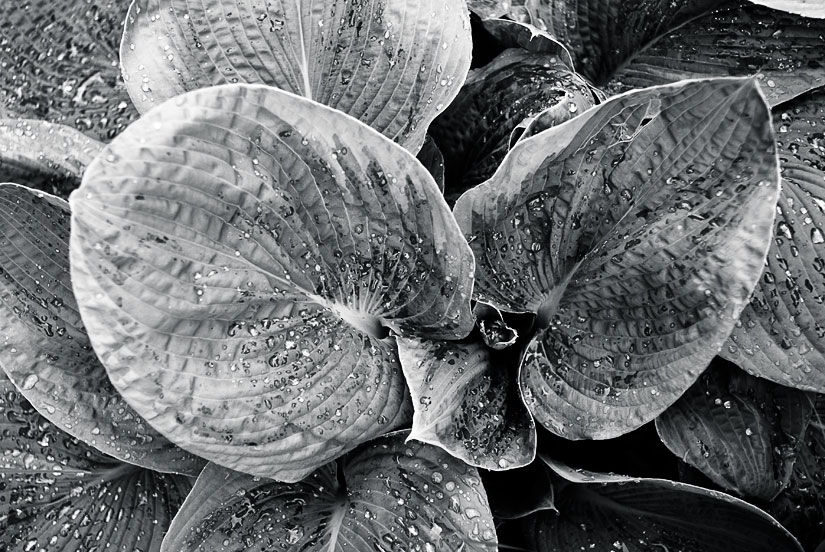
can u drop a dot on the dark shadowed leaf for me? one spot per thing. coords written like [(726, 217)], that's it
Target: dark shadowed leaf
[(466, 401), (613, 512), (742, 432), (784, 51), (43, 155), (59, 494), (474, 131), (517, 493), (513, 34), (636, 232), (59, 63), (392, 65), (238, 255), (45, 349), (387, 495), (782, 332), (430, 156), (808, 8)]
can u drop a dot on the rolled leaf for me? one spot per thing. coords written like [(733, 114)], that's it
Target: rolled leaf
[(392, 65), (239, 255), (60, 64), (635, 232), (58, 494), (388, 495), (781, 334), (45, 349), (467, 403)]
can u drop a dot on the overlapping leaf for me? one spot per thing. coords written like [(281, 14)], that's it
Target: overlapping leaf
[(60, 64), (782, 332), (46, 350), (635, 232), (613, 512), (238, 255), (387, 495), (467, 402), (808, 8), (507, 33), (432, 159), (392, 65), (59, 494)]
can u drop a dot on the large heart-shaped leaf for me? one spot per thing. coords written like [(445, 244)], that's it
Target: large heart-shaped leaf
[(742, 432), (392, 65), (635, 232), (43, 155), (387, 495), (782, 332), (808, 8), (60, 495), (466, 402), (60, 64), (45, 350), (238, 255), (612, 512), (474, 131)]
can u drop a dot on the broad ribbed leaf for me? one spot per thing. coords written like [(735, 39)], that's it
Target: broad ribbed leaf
[(43, 155), (45, 349), (613, 512), (784, 51), (782, 332), (388, 496), (474, 131), (467, 403), (392, 65), (635, 232), (808, 8), (742, 432), (59, 494), (238, 254), (59, 63)]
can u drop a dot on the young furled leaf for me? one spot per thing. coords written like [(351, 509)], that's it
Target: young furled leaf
[(386, 495), (58, 494), (59, 63), (467, 403), (781, 335), (239, 255), (635, 232), (45, 349), (392, 65)]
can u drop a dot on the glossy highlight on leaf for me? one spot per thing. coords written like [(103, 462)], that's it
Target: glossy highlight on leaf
[(808, 8), (386, 495), (59, 494), (241, 253), (466, 402), (391, 64), (635, 232)]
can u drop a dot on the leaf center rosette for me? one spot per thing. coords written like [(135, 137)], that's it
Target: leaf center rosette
[(240, 254)]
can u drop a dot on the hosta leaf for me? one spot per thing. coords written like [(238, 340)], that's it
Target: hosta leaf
[(612, 512), (782, 332), (45, 349), (238, 255), (392, 65), (808, 8), (473, 133), (635, 232), (43, 155), (467, 403), (60, 63), (784, 51), (430, 156), (387, 495), (513, 34), (740, 431), (535, 491), (59, 494)]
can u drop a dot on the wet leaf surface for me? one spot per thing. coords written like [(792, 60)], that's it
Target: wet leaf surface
[(387, 495), (59, 494), (513, 34), (466, 401), (44, 156), (238, 272), (781, 335), (45, 349), (808, 8), (430, 156), (392, 65), (60, 64), (636, 232)]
